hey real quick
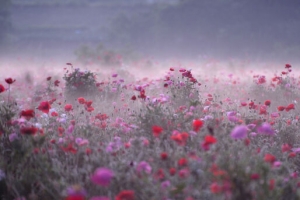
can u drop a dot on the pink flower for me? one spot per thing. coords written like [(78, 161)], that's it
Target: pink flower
[(277, 164), (239, 132), (144, 166), (266, 129), (102, 176)]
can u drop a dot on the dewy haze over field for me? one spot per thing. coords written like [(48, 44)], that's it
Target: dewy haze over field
[(52, 32)]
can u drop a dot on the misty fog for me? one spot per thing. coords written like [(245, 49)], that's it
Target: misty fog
[(156, 30)]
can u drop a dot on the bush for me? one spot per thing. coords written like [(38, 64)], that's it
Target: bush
[(79, 83)]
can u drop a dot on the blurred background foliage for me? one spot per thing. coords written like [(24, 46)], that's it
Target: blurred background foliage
[(265, 29), (5, 23)]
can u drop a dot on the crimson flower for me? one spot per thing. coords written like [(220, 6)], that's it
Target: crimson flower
[(288, 66), (133, 97), (254, 176), (75, 197), (280, 108), (56, 83), (44, 107), (164, 156), (125, 195), (2, 88), (267, 102), (10, 80), (269, 158), (68, 107), (172, 171), (182, 162), (208, 140), (290, 107), (28, 130), (81, 100), (156, 130), (180, 138), (69, 148), (197, 125), (28, 114)]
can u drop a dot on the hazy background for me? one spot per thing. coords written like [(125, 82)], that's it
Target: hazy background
[(91, 30)]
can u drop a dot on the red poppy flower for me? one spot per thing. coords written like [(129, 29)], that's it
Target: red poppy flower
[(267, 102), (180, 138), (68, 107), (156, 130), (290, 107), (159, 175), (125, 195), (271, 184), (209, 139), (89, 109), (54, 114), (280, 108), (197, 125), (288, 66), (81, 100), (285, 147), (243, 104), (75, 197), (269, 158), (56, 83), (28, 114), (172, 171), (182, 162), (44, 107), (164, 156), (142, 94), (88, 103), (2, 88), (101, 117), (69, 148), (133, 98), (28, 130), (215, 188), (61, 130), (254, 176), (10, 80), (292, 155)]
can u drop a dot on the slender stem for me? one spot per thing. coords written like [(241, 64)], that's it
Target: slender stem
[(8, 93)]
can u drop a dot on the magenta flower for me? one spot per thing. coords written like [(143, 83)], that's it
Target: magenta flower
[(144, 166), (239, 132), (266, 129), (102, 176)]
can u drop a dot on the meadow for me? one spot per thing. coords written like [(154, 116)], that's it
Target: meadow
[(176, 132)]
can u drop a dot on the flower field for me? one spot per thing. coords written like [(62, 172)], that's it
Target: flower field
[(182, 135)]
